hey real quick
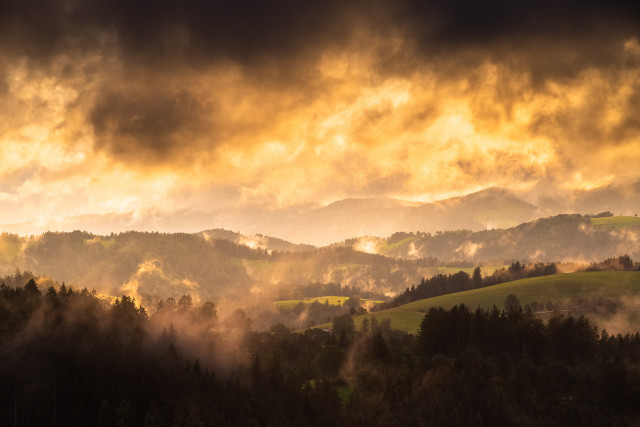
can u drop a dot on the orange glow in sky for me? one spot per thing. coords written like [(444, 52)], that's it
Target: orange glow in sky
[(100, 131)]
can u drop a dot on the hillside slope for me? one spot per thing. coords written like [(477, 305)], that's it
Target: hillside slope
[(559, 289), (151, 266), (558, 238), (256, 241)]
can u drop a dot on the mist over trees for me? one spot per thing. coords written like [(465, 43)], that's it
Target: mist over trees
[(216, 264), (558, 238), (68, 357), (153, 266)]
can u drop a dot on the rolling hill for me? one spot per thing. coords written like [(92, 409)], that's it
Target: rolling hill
[(256, 241), (152, 266), (218, 264), (560, 238), (623, 286)]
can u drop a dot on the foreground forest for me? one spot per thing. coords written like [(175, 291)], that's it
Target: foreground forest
[(68, 357)]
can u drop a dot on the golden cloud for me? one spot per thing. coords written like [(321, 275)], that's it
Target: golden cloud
[(100, 131)]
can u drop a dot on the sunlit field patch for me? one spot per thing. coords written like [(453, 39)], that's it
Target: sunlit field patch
[(331, 299), (617, 221)]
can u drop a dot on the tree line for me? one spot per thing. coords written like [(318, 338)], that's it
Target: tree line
[(442, 284)]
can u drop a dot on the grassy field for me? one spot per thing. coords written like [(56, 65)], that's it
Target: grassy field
[(609, 284), (332, 299), (541, 289), (617, 221)]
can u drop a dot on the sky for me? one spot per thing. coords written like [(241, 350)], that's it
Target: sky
[(166, 113)]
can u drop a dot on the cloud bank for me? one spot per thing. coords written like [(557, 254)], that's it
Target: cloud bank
[(114, 107)]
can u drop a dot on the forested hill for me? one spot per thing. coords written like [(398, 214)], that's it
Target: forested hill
[(218, 263), (151, 266), (256, 241), (558, 238)]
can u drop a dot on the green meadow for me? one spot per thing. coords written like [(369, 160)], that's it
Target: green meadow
[(617, 221), (609, 284)]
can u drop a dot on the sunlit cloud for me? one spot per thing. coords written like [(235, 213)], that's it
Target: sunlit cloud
[(115, 119)]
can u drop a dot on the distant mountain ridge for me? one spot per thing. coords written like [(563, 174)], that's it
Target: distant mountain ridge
[(322, 225), (490, 208), (568, 237)]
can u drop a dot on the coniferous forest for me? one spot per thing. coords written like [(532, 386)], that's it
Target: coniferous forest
[(68, 357)]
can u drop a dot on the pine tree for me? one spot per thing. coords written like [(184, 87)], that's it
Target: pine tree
[(477, 277)]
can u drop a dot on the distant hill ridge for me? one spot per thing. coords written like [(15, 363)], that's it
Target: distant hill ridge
[(487, 209), (490, 208), (221, 263), (568, 237)]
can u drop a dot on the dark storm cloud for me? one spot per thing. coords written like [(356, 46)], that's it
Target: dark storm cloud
[(464, 22), (147, 124), (243, 31), (4, 86), (250, 31), (272, 42), (546, 39), (584, 124), (277, 44)]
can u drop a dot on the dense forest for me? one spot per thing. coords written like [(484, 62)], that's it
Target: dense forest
[(68, 357), (256, 241)]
